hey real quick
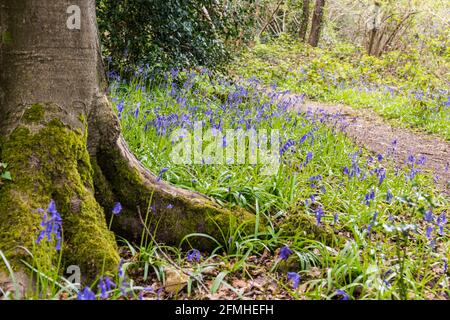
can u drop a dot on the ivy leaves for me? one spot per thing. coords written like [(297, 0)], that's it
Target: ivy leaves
[(4, 175)]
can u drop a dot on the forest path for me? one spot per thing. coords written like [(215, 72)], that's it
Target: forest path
[(373, 133)]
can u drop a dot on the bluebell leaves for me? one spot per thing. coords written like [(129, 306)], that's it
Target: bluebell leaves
[(51, 225)]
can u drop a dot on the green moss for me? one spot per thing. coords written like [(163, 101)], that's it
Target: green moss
[(34, 114), (299, 224), (54, 164)]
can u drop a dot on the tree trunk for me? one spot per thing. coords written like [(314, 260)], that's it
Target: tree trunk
[(317, 22), (62, 141), (304, 20)]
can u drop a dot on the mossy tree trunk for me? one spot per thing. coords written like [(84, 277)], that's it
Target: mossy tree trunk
[(62, 141)]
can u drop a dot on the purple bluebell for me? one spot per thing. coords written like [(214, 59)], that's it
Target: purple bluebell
[(429, 231), (342, 294), (86, 294), (335, 218), (194, 255), (374, 218), (369, 197), (169, 206), (117, 209), (161, 172), (285, 252), (319, 214), (441, 221), (51, 224), (389, 196), (105, 285), (428, 216)]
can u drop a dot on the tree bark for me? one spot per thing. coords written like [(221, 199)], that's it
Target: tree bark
[(304, 20), (317, 23), (62, 141)]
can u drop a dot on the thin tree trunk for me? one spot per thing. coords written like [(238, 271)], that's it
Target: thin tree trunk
[(62, 140), (317, 22), (304, 22)]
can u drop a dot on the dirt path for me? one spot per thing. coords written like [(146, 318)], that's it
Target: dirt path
[(373, 133)]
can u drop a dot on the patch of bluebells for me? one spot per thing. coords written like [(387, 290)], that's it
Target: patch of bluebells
[(285, 252), (51, 225)]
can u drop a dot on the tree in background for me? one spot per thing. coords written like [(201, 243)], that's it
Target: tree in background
[(316, 23)]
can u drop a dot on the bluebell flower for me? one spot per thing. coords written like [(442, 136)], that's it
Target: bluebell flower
[(120, 268), (105, 285), (117, 209), (346, 171), (120, 108), (294, 277), (194, 255), (86, 294), (51, 224), (146, 289), (335, 218), (161, 172), (429, 231), (285, 252), (374, 218), (369, 197), (389, 196), (319, 214), (169, 206), (428, 216), (381, 174), (441, 222)]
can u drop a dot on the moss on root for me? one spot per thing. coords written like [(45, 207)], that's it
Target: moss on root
[(53, 163)]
